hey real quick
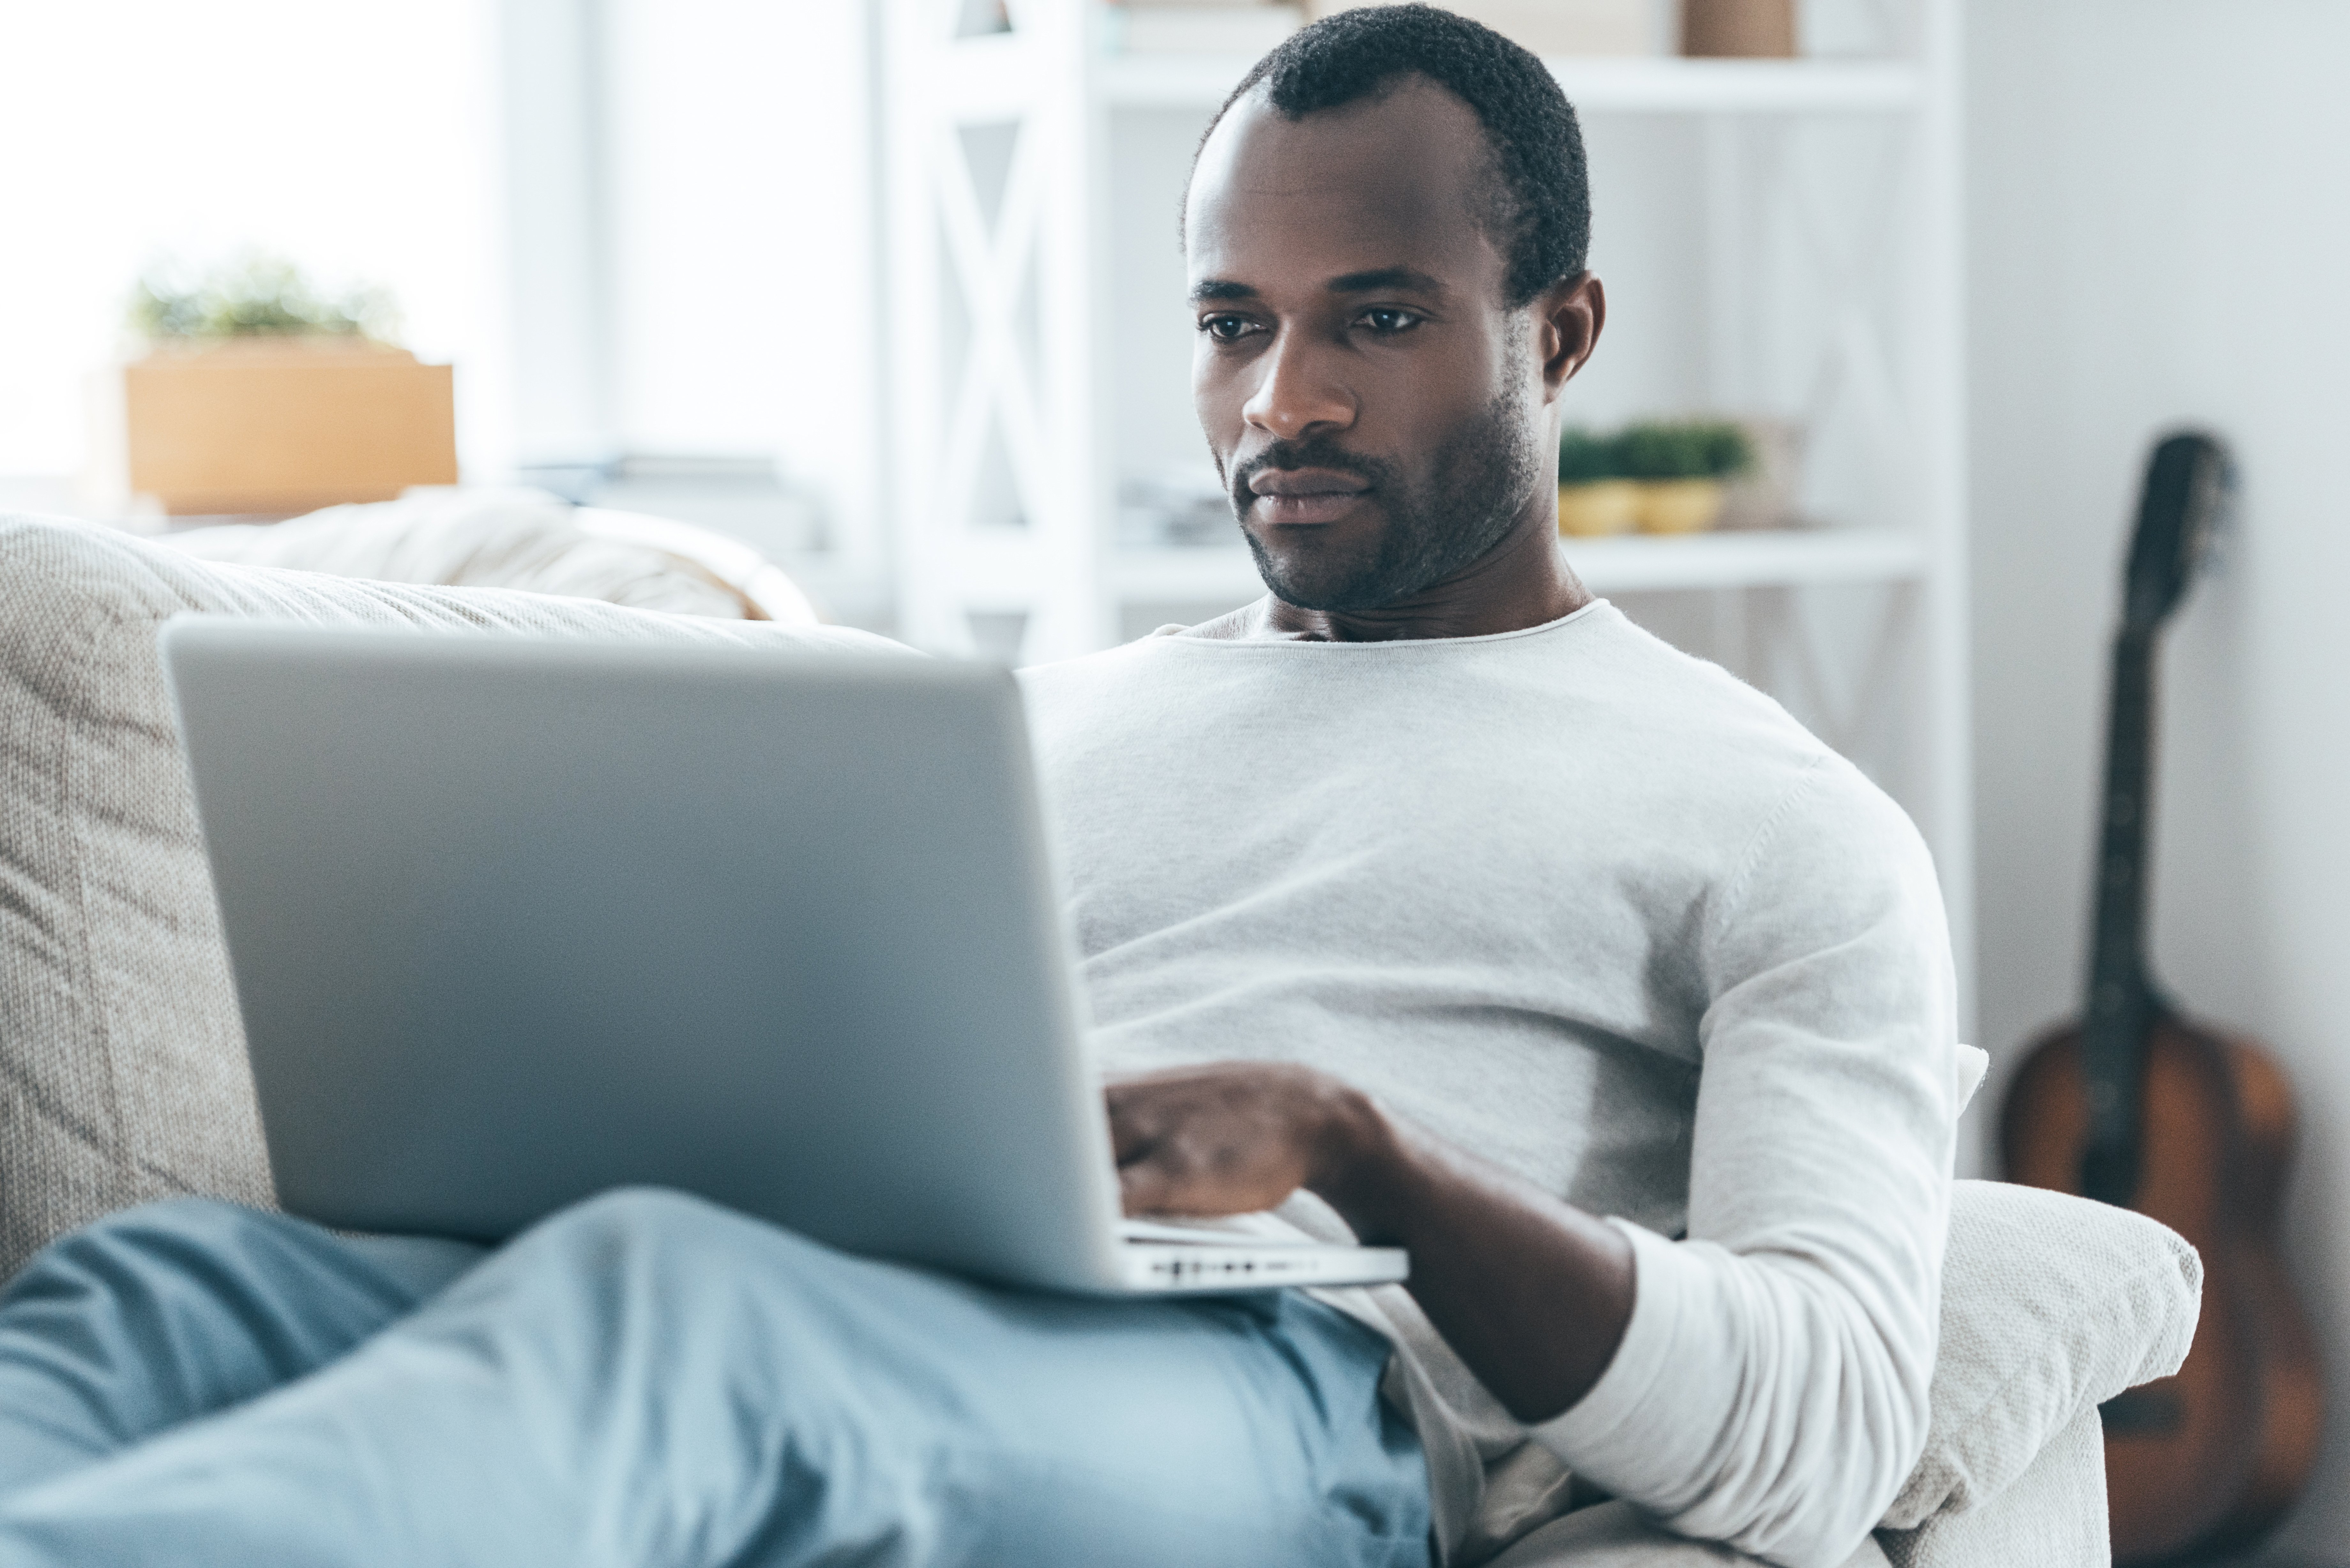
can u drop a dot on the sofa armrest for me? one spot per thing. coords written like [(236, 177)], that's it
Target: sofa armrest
[(2051, 1516)]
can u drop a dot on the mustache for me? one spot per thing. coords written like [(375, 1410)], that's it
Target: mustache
[(1316, 451)]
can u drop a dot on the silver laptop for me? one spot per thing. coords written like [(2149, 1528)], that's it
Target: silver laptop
[(515, 921)]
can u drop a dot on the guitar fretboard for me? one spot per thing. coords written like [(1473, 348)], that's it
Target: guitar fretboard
[(2120, 1003)]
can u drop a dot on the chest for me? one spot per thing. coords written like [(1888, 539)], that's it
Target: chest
[(1484, 835)]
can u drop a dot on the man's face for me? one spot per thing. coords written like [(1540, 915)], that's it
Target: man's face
[(1378, 414)]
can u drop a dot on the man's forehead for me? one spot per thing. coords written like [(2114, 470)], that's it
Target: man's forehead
[(1389, 182)]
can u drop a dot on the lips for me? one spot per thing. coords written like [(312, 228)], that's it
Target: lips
[(1305, 495)]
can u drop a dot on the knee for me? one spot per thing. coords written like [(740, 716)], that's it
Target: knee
[(654, 1251), (640, 1226)]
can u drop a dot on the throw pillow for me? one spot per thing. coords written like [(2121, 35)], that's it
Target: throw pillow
[(2051, 1305)]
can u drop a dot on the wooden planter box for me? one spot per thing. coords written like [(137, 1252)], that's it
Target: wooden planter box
[(285, 425)]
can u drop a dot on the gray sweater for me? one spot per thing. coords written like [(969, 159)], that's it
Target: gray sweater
[(1599, 913)]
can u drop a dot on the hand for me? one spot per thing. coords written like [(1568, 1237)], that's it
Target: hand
[(1232, 1138), (1532, 1293)]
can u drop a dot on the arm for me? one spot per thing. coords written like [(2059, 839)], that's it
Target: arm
[(1767, 1387), (1531, 1292)]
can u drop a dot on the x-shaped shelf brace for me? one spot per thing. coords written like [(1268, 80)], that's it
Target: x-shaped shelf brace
[(1855, 272), (989, 269)]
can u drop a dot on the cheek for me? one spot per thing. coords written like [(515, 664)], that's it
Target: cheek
[(1219, 393)]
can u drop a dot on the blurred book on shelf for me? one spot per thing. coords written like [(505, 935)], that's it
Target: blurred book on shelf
[(1182, 505)]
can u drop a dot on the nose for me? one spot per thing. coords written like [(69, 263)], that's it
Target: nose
[(1295, 393)]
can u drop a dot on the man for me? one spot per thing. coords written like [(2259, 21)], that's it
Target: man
[(1426, 897)]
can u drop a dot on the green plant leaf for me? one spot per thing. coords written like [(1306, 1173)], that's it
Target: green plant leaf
[(1586, 457)]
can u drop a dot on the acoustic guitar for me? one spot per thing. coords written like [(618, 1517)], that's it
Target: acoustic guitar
[(2137, 1105)]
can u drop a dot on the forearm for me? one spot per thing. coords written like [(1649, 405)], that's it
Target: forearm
[(1531, 1292)]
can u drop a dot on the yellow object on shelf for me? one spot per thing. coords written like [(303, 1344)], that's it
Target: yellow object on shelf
[(1679, 506), (1596, 510)]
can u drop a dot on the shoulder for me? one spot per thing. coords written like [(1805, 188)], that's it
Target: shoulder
[(1795, 821), (1708, 741)]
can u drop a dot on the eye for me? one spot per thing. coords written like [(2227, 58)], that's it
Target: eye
[(1387, 320), (1227, 328)]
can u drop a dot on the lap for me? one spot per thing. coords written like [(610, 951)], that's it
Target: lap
[(649, 1377), (1047, 1416)]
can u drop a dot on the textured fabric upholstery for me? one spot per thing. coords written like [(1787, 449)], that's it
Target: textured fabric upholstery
[(2051, 1305), (2051, 1515), (1618, 1535), (504, 538), (122, 1071)]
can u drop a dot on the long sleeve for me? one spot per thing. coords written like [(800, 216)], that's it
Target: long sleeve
[(1770, 1391)]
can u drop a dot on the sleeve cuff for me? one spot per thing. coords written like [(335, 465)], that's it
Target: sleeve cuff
[(1603, 1434)]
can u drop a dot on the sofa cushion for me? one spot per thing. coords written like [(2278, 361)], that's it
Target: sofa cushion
[(2051, 1515), (122, 1069), (503, 538), (2051, 1305)]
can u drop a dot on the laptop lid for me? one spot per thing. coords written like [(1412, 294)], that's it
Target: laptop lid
[(515, 921)]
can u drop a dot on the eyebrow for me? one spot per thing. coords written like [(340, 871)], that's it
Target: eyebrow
[(1384, 277), (1216, 288)]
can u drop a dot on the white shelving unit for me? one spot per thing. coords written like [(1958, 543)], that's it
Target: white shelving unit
[(1592, 86), (1779, 238)]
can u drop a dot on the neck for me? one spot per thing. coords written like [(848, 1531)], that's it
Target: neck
[(1521, 582)]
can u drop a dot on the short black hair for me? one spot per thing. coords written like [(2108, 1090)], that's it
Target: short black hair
[(1540, 216)]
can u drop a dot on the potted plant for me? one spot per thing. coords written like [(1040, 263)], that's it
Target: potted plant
[(1679, 467), (260, 393), (1595, 498)]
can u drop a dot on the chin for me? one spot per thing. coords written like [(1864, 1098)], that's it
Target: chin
[(1327, 580)]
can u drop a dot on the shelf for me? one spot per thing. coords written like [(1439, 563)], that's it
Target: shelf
[(1757, 559), (1747, 559), (1663, 86)]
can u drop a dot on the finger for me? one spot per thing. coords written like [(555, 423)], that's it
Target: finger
[(1138, 1117), (1132, 1135), (1145, 1187)]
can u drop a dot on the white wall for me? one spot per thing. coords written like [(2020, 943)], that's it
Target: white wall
[(2160, 210), (359, 140), (740, 158), (693, 234)]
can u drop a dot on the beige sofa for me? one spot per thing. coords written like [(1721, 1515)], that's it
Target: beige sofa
[(122, 1074)]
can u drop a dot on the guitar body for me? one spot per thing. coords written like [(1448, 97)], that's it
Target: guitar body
[(2208, 1459)]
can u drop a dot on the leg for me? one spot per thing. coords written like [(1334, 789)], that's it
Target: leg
[(172, 1311), (650, 1379)]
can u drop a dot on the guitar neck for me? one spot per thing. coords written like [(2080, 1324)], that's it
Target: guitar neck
[(2120, 1002)]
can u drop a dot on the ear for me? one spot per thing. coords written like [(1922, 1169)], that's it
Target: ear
[(1568, 318)]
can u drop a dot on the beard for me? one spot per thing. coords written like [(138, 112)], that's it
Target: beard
[(1475, 488)]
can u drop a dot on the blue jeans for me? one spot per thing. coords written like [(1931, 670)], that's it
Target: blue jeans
[(650, 1381)]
